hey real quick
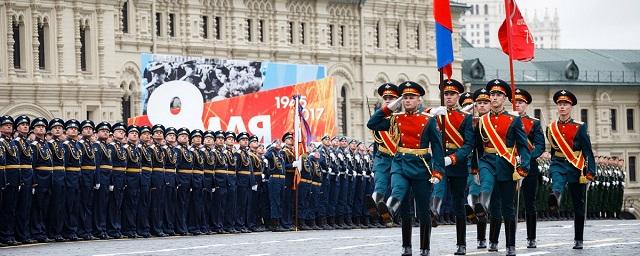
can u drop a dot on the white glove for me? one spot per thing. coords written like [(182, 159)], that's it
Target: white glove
[(263, 176), (191, 189), (265, 161), (33, 191), (97, 186), (518, 159), (111, 188), (213, 190), (19, 187), (476, 179), (373, 175), (438, 111), (254, 187), (353, 173), (394, 105), (434, 180), (296, 164), (330, 170), (447, 161)]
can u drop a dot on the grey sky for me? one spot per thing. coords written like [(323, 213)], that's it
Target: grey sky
[(593, 24)]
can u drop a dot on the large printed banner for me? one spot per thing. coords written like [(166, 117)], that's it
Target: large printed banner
[(219, 79), (267, 114)]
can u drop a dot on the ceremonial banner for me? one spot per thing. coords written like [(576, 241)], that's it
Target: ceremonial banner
[(267, 114), (219, 79)]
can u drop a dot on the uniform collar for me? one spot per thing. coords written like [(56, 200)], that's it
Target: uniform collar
[(565, 121), (497, 112)]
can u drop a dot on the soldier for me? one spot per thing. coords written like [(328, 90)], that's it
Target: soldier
[(170, 182), (157, 187), (231, 206), (146, 158), (24, 153), (344, 220), (417, 133), (357, 190), (131, 197), (288, 154), (196, 202), (102, 176), (184, 170), (254, 216), (368, 183), (572, 160), (500, 134), (480, 189), (56, 215), (304, 193), (72, 192), (11, 183), (41, 189), (316, 192), (275, 175), (221, 182), (245, 181), (263, 191), (87, 180), (118, 180), (208, 186), (336, 183), (535, 144), (459, 142), (325, 162)]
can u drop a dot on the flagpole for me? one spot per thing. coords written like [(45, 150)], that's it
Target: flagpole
[(442, 104), (296, 142), (507, 6)]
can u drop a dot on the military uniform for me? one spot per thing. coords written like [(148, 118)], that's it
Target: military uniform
[(275, 175), (170, 185), (142, 215), (208, 186), (10, 184), (572, 162), (184, 173), (256, 206), (56, 212), (500, 139), (131, 197), (42, 171), (117, 184), (413, 165), (221, 183), (23, 208), (72, 164), (325, 163), (230, 214), (245, 182), (288, 155), (196, 201), (157, 187)]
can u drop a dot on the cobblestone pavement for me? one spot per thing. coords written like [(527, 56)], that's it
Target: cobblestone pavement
[(604, 237)]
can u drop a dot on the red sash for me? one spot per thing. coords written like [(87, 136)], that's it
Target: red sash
[(528, 127), (452, 132), (576, 161), (388, 142), (498, 144)]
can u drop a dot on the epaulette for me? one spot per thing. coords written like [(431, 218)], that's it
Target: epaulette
[(65, 142), (578, 122), (1, 139), (112, 143), (178, 147), (533, 118), (126, 146), (165, 147), (17, 139), (34, 143), (426, 113), (51, 141), (81, 141), (139, 145), (397, 114)]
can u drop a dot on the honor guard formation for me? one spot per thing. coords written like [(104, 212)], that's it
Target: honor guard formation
[(470, 161)]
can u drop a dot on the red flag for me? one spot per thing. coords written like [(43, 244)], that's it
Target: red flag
[(522, 45)]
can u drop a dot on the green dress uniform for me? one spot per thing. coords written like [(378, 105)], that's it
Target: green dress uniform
[(413, 165)]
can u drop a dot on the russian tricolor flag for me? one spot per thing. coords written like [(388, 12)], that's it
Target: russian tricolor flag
[(444, 31)]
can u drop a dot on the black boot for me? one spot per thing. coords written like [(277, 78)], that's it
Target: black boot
[(531, 230), (331, 222), (373, 202), (482, 233), (406, 251), (388, 210), (425, 239), (578, 224), (461, 231), (510, 235), (340, 222), (348, 221), (554, 202), (494, 234), (365, 222), (436, 203)]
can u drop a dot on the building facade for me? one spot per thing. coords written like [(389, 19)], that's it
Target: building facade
[(80, 59), (481, 21)]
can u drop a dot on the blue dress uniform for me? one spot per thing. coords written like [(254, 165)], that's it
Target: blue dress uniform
[(325, 162), (72, 165), (334, 187), (184, 170), (500, 137), (221, 183), (131, 195), (358, 189), (42, 170), (117, 185), (102, 181), (413, 165), (157, 189), (572, 163), (369, 186), (56, 216), (275, 175), (143, 225), (316, 194), (10, 184), (304, 193), (351, 187), (196, 201), (255, 209), (23, 208), (245, 181), (231, 207), (459, 141), (208, 225), (342, 210), (170, 186), (287, 201), (88, 182), (535, 143)]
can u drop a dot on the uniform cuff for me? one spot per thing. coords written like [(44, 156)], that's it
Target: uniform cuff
[(475, 171), (436, 174), (454, 159), (386, 111)]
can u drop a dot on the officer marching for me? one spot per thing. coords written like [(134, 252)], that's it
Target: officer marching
[(572, 160), (502, 148), (418, 132)]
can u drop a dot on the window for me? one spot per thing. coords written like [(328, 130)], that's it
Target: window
[(486, 9), (158, 23), (172, 25), (614, 120), (418, 37), (248, 30), (342, 37), (331, 35), (124, 17), (398, 36), (537, 113), (18, 28), (584, 115), (84, 43), (303, 27), (486, 41), (290, 32), (261, 30), (477, 9), (205, 28), (632, 168), (343, 109), (630, 120), (42, 46), (376, 34), (126, 108), (217, 26)]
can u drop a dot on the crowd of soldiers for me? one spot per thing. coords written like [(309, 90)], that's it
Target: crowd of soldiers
[(71, 180)]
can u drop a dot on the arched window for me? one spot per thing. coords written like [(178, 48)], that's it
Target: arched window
[(84, 47), (126, 108), (376, 33), (477, 10), (18, 38), (343, 109), (43, 46), (486, 9)]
